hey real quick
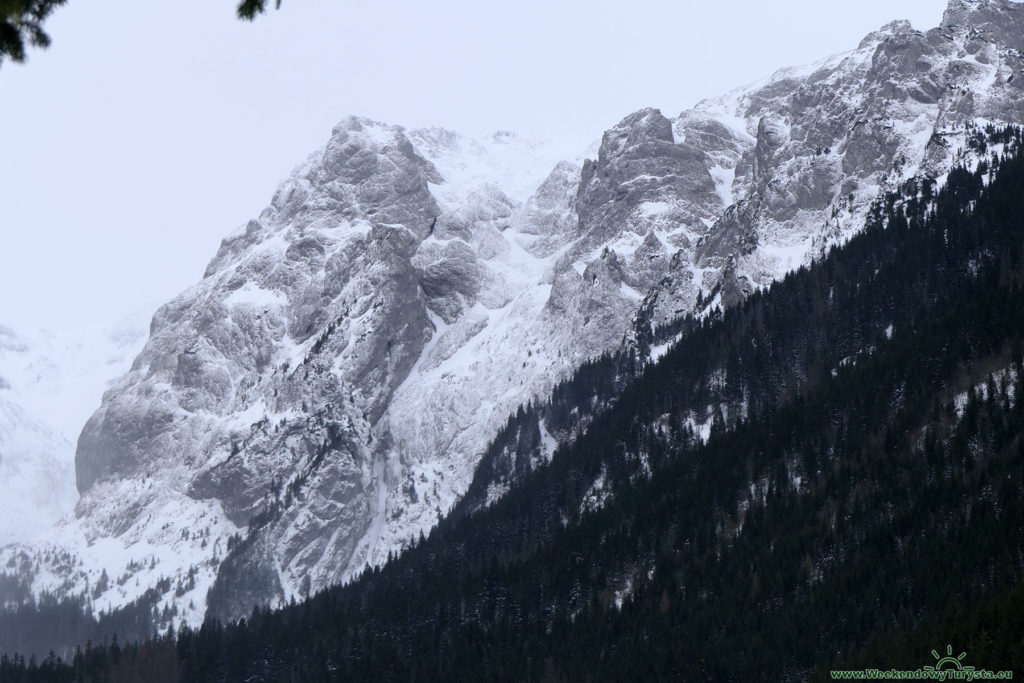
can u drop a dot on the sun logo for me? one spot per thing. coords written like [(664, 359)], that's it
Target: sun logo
[(949, 661)]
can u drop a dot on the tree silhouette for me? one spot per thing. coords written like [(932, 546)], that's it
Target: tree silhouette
[(248, 9), (21, 23)]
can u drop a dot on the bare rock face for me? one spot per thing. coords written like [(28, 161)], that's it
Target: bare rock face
[(998, 22), (550, 212), (261, 385), (213, 349), (674, 296), (643, 180), (829, 137), (325, 392), (735, 234), (772, 137)]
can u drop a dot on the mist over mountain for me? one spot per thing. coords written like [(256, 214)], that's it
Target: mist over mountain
[(49, 384)]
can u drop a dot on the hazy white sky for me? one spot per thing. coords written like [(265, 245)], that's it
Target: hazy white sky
[(152, 129)]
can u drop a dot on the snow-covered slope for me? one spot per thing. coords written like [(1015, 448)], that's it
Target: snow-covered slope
[(37, 472), (49, 385), (324, 393)]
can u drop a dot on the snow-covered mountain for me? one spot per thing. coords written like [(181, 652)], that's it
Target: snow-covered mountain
[(37, 469), (49, 385), (325, 392)]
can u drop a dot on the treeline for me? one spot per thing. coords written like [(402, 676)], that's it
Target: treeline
[(857, 496), (54, 627), (518, 448)]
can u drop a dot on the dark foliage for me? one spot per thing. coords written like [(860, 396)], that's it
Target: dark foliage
[(249, 9), (517, 450), (51, 625), (21, 24)]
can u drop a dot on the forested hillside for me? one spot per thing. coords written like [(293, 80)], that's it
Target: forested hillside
[(826, 475)]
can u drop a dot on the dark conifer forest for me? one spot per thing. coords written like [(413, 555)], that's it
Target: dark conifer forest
[(857, 501)]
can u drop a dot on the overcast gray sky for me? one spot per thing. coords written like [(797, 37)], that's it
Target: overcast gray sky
[(152, 128)]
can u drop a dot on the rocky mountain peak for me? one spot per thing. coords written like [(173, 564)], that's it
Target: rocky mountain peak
[(999, 21), (640, 127), (643, 179), (327, 390), (893, 28)]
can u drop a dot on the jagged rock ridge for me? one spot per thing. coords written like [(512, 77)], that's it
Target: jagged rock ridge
[(324, 393)]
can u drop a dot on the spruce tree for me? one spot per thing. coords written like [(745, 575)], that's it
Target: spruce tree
[(21, 24)]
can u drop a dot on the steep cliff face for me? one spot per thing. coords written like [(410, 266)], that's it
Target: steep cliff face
[(325, 392)]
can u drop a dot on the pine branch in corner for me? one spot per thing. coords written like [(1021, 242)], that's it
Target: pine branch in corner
[(248, 9)]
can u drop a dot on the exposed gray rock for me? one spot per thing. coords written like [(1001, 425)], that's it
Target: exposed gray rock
[(551, 212), (769, 150), (674, 296), (326, 390), (642, 180), (648, 263), (993, 21), (451, 280), (734, 234)]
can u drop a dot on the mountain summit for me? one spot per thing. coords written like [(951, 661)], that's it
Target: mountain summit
[(323, 395)]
